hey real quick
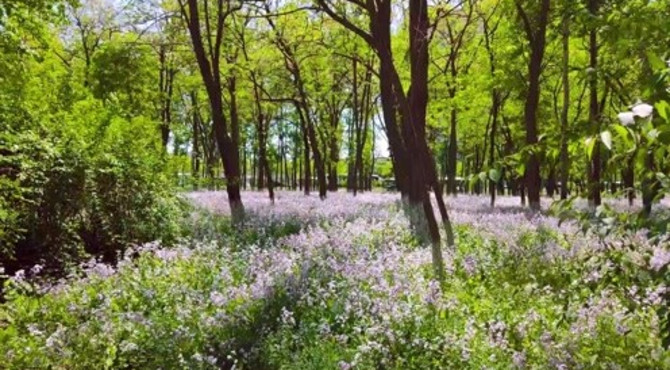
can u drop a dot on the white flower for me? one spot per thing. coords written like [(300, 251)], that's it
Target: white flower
[(287, 317), (643, 110), (344, 365), (36, 269), (127, 346), (626, 118), (660, 258), (217, 299), (519, 359)]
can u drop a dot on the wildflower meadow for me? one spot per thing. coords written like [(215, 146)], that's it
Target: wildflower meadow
[(343, 284)]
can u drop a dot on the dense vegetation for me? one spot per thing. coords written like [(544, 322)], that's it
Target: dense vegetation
[(343, 284), (545, 122)]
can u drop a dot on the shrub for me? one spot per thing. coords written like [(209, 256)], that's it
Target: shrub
[(63, 197)]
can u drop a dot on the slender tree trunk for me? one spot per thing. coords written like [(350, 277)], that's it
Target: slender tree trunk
[(244, 166), (565, 158), (166, 84), (351, 149), (254, 170), (594, 111), (319, 164), (363, 118), (307, 173), (551, 181), (302, 105), (196, 142), (211, 75), (452, 161), (494, 125), (650, 186), (334, 152), (372, 155), (356, 126), (537, 37), (381, 32), (264, 163), (628, 177), (495, 104)]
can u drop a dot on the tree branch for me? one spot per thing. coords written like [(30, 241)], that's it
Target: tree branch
[(323, 5)]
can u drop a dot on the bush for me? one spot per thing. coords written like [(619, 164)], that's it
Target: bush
[(65, 197)]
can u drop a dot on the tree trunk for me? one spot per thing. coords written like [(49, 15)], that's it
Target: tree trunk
[(494, 126), (537, 38), (551, 181), (414, 175), (495, 105), (307, 173), (196, 142), (356, 127), (211, 75), (264, 164), (363, 118), (628, 177), (166, 83), (381, 32), (565, 158), (453, 151), (334, 153), (594, 111), (302, 105)]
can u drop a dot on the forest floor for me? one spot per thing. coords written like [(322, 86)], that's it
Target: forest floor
[(343, 284)]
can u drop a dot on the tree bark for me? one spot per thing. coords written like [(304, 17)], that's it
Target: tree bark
[(417, 175), (211, 75), (453, 151), (565, 158), (495, 100), (196, 142), (536, 35), (333, 146), (628, 177), (307, 173), (594, 111), (166, 83)]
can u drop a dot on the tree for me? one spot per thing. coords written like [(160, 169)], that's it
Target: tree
[(456, 29), (262, 119), (565, 80), (302, 106), (409, 136), (536, 36), (209, 65), (489, 31)]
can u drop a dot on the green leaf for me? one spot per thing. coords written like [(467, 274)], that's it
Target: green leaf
[(521, 169), (655, 61), (472, 180), (664, 136), (494, 175), (653, 135), (606, 137), (624, 133), (589, 145), (663, 109)]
